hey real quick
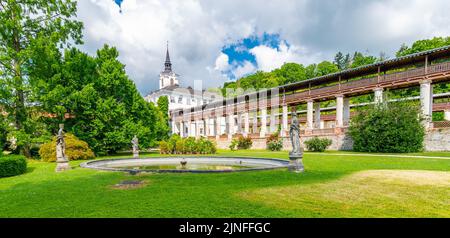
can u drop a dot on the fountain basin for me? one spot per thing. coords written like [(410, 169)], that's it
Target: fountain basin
[(192, 165)]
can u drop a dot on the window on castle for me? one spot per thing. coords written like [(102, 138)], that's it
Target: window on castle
[(172, 100), (180, 100)]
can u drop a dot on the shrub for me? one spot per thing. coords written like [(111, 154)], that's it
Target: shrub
[(76, 149), (172, 143), (274, 142), (179, 147), (317, 144), (244, 143), (275, 145), (233, 144), (163, 147), (190, 145), (273, 137), (12, 165), (205, 146), (391, 127)]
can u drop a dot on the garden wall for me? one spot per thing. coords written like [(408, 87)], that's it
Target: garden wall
[(435, 140), (438, 139)]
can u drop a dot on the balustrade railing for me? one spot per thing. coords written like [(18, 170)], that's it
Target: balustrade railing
[(359, 83), (441, 124), (437, 68)]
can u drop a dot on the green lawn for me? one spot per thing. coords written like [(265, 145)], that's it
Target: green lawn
[(338, 185)]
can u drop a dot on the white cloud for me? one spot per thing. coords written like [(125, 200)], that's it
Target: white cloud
[(268, 58), (241, 70), (198, 30), (222, 62)]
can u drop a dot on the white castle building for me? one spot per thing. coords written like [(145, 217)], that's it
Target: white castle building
[(179, 97)]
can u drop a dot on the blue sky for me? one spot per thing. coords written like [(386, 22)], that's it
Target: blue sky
[(218, 41), (239, 52)]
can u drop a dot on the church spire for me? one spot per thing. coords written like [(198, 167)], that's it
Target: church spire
[(167, 64)]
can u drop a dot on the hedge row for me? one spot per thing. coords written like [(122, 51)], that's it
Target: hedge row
[(190, 145), (12, 165)]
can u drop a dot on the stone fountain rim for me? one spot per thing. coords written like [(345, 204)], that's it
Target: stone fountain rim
[(89, 164)]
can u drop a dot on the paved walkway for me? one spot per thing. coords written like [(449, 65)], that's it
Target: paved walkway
[(384, 155)]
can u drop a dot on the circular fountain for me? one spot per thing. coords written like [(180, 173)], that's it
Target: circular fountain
[(187, 164)]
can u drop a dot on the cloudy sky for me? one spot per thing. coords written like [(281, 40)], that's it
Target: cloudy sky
[(217, 41)]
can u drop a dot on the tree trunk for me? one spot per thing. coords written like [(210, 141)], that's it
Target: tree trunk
[(20, 110)]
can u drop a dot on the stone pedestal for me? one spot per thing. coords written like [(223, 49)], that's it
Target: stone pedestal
[(296, 163), (62, 165)]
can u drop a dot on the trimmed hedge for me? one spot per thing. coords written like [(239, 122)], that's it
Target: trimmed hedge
[(190, 145), (12, 165), (76, 149)]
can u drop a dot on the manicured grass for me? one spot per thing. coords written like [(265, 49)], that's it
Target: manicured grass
[(332, 186)]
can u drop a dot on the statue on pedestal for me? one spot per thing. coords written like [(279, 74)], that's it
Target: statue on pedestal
[(296, 155), (135, 144), (62, 163)]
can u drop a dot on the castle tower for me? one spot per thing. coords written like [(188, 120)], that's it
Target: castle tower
[(167, 77)]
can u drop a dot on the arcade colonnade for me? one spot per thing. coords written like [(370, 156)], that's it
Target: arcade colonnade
[(260, 114), (262, 122)]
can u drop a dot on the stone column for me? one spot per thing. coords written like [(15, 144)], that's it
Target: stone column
[(187, 125), (447, 115), (309, 115), (193, 130), (181, 129), (273, 120), (218, 127), (426, 101), (317, 115), (284, 125), (230, 126), (239, 123), (378, 95), (263, 131), (255, 122), (346, 111), (206, 127), (174, 127), (339, 111), (246, 123)]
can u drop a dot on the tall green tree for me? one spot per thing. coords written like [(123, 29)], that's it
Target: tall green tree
[(163, 105), (289, 73), (326, 67), (342, 61), (422, 45), (96, 100), (162, 127), (23, 25), (359, 59)]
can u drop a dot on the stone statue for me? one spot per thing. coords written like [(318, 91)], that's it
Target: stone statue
[(294, 133), (296, 155), (62, 163), (135, 144)]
